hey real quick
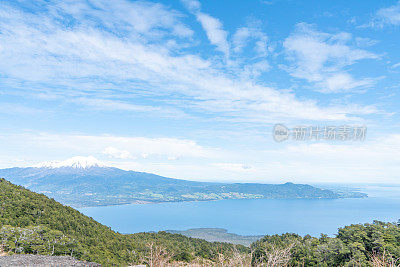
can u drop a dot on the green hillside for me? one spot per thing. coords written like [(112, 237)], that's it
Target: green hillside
[(42, 225), (32, 223), (376, 244)]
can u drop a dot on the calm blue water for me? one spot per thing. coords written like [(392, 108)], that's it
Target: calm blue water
[(254, 217)]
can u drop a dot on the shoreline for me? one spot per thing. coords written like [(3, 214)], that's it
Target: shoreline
[(143, 202)]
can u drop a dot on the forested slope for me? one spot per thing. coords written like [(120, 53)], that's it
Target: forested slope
[(32, 223), (376, 244), (42, 225)]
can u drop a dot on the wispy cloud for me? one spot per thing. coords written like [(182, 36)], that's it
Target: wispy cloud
[(126, 18), (135, 47), (117, 153), (18, 109), (244, 35), (104, 104), (215, 32), (321, 58), (212, 26), (122, 147), (196, 93), (387, 16)]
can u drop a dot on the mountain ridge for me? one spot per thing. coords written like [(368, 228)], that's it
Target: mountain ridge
[(93, 185)]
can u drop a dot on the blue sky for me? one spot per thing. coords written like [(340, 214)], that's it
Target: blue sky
[(192, 89)]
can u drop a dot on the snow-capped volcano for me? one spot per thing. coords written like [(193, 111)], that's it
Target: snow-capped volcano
[(85, 181), (78, 162)]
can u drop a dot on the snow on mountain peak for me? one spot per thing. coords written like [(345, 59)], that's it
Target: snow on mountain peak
[(78, 162)]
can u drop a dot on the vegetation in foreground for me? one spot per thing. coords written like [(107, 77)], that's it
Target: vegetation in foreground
[(354, 245), (31, 223)]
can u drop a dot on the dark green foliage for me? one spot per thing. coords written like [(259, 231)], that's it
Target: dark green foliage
[(183, 256), (36, 240), (354, 245), (44, 222)]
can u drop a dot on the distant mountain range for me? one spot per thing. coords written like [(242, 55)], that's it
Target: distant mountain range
[(84, 181)]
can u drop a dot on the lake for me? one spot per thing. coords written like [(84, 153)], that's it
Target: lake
[(254, 216)]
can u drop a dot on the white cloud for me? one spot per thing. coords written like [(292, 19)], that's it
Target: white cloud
[(129, 17), (321, 58), (244, 35), (212, 26), (107, 57), (370, 161), (373, 161), (91, 60), (233, 167), (18, 109), (342, 82), (108, 104), (118, 105), (192, 5), (387, 16), (116, 146), (240, 38), (256, 69), (215, 32), (117, 153)]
